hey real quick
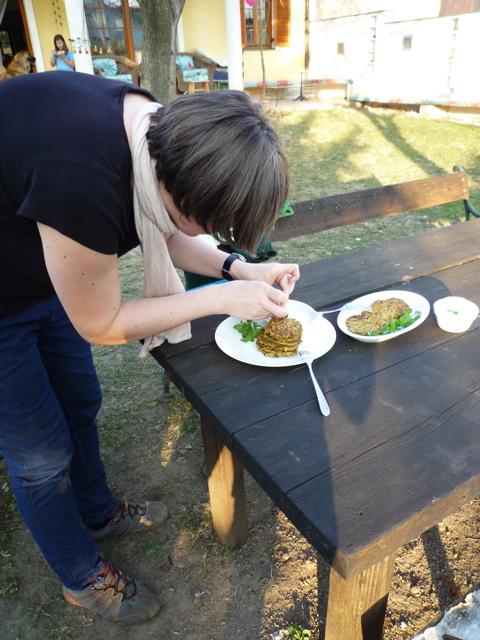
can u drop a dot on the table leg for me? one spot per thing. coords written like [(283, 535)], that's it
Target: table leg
[(355, 608), (227, 493)]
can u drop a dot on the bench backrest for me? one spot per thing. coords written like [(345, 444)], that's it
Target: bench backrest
[(349, 208)]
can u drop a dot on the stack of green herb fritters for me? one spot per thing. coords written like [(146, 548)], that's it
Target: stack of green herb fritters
[(280, 337)]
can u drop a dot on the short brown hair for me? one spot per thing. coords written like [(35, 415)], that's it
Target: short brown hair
[(222, 162)]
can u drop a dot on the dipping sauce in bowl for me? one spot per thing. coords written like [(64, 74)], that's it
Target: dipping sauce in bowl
[(455, 314)]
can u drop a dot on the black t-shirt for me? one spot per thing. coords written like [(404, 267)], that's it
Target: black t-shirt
[(65, 162)]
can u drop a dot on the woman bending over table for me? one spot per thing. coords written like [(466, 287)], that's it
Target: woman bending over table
[(107, 171)]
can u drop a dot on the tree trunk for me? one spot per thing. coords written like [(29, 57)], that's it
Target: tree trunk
[(263, 41), (160, 20), (264, 75)]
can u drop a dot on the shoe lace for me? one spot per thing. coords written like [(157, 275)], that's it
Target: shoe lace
[(112, 578), (130, 510)]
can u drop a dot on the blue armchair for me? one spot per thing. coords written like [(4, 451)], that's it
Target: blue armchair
[(116, 67)]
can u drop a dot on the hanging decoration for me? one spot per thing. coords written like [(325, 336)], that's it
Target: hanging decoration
[(80, 44), (58, 16)]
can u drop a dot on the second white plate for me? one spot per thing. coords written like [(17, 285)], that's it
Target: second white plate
[(414, 300)]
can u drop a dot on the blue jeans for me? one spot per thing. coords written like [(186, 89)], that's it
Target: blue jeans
[(49, 399)]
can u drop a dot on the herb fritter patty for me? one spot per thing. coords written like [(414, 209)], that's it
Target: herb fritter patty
[(280, 337), (389, 309), (370, 322)]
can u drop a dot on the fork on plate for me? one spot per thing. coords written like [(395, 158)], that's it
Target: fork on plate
[(349, 306), (307, 357)]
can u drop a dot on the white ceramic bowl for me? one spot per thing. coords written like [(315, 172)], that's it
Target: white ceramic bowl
[(455, 314), (414, 300)]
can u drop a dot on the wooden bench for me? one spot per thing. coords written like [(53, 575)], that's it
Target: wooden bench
[(312, 216)]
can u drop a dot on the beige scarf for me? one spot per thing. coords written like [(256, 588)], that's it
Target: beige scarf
[(152, 223)]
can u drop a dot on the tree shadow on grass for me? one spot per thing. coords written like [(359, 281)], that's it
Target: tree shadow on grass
[(319, 159), (387, 126)]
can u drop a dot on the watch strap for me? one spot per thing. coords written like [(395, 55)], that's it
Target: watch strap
[(228, 263)]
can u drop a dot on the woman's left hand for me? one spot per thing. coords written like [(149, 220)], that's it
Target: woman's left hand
[(283, 275)]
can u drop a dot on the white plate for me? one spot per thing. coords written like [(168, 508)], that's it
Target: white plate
[(318, 337), (415, 301)]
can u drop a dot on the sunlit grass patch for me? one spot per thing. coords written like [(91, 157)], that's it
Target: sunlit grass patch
[(179, 420)]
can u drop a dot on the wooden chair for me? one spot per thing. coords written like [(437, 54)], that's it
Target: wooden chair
[(194, 71)]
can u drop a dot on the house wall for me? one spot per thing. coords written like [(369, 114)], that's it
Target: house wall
[(281, 63), (204, 29), (327, 9), (356, 34), (437, 67), (414, 74), (465, 80)]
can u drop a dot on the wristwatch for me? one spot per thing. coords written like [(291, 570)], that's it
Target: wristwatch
[(228, 263)]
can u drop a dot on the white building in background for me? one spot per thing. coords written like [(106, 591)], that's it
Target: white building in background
[(411, 51)]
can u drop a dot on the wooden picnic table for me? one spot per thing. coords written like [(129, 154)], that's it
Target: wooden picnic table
[(401, 448)]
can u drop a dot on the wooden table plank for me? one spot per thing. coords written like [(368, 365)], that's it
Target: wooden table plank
[(358, 272), (373, 504), (362, 271), (400, 431), (390, 403), (401, 448), (220, 383), (364, 414)]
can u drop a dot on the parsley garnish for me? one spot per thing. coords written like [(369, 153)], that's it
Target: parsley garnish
[(249, 329), (405, 320)]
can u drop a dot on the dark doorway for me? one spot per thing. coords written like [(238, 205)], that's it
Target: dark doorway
[(13, 35)]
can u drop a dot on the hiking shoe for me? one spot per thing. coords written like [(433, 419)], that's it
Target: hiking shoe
[(130, 517), (114, 596)]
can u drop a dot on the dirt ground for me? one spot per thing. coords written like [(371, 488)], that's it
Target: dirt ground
[(154, 449)]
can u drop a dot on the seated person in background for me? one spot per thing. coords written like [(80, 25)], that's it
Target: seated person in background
[(61, 57)]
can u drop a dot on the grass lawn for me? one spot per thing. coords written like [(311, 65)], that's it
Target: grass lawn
[(344, 149), (155, 449)]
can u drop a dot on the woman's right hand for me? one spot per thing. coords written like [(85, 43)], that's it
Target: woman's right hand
[(251, 300)]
